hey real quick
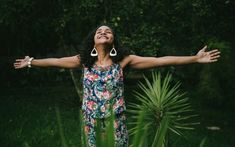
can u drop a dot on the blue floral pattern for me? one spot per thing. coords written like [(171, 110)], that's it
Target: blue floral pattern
[(102, 91)]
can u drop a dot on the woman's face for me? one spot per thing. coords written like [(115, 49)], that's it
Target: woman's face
[(103, 35)]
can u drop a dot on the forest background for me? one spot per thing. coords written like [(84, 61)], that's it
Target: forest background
[(56, 28)]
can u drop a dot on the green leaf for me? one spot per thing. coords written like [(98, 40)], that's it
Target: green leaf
[(160, 100)]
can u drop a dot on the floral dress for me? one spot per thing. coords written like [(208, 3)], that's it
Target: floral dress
[(102, 90)]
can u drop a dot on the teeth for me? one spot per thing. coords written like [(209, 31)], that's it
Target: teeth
[(103, 37)]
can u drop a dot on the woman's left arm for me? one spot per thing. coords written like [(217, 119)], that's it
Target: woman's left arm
[(202, 56)]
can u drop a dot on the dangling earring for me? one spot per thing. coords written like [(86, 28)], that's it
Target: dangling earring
[(94, 52), (113, 52)]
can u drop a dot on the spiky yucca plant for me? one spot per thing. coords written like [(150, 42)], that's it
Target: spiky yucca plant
[(163, 107), (159, 99)]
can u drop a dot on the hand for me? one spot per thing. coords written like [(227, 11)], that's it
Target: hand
[(21, 63), (207, 57)]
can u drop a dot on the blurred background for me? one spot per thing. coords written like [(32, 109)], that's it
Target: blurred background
[(56, 28)]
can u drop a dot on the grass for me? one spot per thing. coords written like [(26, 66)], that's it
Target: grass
[(28, 119)]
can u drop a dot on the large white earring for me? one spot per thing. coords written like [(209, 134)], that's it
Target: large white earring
[(94, 52), (113, 52)]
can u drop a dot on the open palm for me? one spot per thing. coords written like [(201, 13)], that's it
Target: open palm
[(21, 63), (208, 57)]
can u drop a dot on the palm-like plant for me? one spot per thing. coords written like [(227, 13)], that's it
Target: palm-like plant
[(159, 100)]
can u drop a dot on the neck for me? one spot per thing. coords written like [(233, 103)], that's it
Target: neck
[(103, 56)]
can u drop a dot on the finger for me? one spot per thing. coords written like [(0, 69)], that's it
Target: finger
[(215, 54), (213, 51), (204, 48), (19, 60), (215, 57), (214, 60), (17, 64)]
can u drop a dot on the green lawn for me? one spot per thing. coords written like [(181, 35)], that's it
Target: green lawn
[(28, 119)]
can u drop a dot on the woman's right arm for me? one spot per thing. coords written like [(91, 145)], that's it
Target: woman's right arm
[(65, 62)]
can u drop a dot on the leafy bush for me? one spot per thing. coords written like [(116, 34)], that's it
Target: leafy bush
[(216, 79), (160, 100)]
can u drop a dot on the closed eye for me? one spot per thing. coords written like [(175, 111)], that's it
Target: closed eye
[(106, 31), (109, 32)]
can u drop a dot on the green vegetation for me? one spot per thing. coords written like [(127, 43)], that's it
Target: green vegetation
[(29, 118), (160, 99), (29, 97), (147, 27)]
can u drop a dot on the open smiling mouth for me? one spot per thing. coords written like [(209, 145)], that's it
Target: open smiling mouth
[(102, 37)]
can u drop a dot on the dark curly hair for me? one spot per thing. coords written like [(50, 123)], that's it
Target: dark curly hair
[(88, 44)]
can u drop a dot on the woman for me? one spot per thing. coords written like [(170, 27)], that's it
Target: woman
[(103, 62)]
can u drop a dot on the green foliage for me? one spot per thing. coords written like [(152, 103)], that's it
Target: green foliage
[(140, 138), (159, 99), (28, 119), (202, 142), (104, 136), (107, 138), (147, 27), (43, 26), (163, 107), (213, 86), (61, 131), (83, 135), (160, 136)]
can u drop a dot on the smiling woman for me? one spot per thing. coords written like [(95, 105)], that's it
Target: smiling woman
[(100, 42), (105, 35), (103, 60)]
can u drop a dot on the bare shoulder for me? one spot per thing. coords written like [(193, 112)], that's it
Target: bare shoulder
[(127, 60)]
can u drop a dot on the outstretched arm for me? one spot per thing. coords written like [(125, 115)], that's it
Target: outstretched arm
[(151, 62), (65, 62)]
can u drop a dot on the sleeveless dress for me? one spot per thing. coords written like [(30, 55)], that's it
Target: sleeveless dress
[(103, 90)]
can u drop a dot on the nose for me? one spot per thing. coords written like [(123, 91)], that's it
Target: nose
[(103, 32)]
